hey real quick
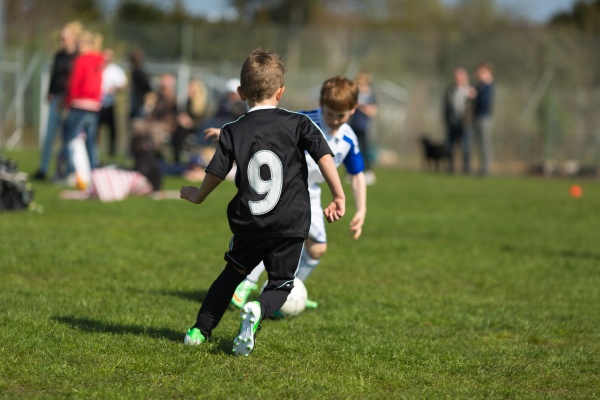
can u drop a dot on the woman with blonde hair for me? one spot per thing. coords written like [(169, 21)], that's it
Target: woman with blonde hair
[(191, 119)]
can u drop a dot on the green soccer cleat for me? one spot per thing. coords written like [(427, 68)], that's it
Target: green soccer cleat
[(243, 344), (242, 292), (194, 337), (311, 304)]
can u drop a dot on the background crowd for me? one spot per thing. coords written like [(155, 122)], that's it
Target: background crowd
[(164, 137)]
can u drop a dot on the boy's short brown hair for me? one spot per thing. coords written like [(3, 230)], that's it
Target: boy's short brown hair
[(339, 94), (262, 74)]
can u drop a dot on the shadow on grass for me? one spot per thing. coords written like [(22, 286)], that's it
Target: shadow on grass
[(191, 295), (553, 253), (90, 325)]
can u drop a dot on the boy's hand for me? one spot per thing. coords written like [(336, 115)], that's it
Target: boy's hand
[(335, 210), (212, 134), (356, 225), (190, 193)]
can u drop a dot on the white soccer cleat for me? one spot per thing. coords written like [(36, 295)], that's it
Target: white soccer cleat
[(243, 344)]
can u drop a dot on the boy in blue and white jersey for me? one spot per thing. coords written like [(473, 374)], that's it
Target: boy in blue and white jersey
[(338, 101)]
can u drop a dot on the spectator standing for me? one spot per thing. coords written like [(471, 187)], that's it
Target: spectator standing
[(84, 98), (361, 121), (140, 85), (59, 78), (457, 117), (113, 80), (482, 116)]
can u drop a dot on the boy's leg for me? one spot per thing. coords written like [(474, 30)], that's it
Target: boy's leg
[(242, 256), (280, 258), (281, 265), (316, 244), (310, 258), (254, 276), (217, 299), (242, 292)]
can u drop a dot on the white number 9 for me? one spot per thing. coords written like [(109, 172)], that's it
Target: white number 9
[(271, 187)]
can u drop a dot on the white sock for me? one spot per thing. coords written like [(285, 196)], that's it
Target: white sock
[(307, 266), (254, 276)]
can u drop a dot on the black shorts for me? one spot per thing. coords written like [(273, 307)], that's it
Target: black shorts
[(280, 255)]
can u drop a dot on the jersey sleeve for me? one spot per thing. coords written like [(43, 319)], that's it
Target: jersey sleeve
[(222, 161), (353, 161), (312, 139)]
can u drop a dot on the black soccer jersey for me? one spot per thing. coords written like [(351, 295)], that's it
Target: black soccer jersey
[(268, 147)]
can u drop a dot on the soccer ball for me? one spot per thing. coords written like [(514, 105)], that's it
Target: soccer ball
[(296, 301)]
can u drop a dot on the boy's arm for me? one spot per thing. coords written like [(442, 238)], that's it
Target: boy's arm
[(337, 208), (359, 190), (198, 195)]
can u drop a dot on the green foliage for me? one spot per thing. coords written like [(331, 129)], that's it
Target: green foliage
[(139, 11), (459, 288), (27, 21), (85, 10), (584, 16)]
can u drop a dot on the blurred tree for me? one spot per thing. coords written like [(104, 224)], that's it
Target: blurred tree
[(139, 11), (585, 16), (295, 12), (178, 12), (28, 18), (409, 14)]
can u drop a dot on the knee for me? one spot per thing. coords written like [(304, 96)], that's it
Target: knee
[(316, 250), (279, 285), (235, 270)]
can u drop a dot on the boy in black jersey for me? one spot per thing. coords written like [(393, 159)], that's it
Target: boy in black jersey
[(270, 214)]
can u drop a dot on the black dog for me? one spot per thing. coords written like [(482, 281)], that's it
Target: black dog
[(434, 154)]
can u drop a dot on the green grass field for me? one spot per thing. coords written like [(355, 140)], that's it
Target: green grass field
[(460, 287)]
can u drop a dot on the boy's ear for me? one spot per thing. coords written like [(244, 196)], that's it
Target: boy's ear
[(279, 93), (241, 93), (353, 110)]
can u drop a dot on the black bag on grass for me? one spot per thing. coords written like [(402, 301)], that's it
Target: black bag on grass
[(16, 192)]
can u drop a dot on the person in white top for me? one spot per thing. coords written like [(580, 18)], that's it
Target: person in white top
[(113, 80)]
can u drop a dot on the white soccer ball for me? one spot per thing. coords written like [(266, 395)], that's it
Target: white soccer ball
[(296, 301)]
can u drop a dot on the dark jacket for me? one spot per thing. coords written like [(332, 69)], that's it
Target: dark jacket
[(61, 70), (484, 101)]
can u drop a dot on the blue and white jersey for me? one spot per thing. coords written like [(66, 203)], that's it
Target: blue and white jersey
[(344, 146)]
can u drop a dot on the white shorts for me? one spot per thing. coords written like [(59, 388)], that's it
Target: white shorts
[(317, 219)]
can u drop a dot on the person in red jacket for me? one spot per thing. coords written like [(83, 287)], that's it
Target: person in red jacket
[(83, 98)]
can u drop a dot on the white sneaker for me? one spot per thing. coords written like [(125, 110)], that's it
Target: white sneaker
[(243, 344)]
